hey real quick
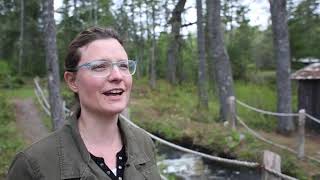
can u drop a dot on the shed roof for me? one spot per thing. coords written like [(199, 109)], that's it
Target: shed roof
[(312, 71)]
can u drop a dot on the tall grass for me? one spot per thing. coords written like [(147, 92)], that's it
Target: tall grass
[(258, 96)]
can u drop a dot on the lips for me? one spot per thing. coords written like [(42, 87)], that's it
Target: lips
[(114, 92)]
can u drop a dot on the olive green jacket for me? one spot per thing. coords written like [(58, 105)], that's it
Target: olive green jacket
[(63, 155)]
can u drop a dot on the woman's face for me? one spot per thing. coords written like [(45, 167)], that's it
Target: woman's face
[(109, 94)]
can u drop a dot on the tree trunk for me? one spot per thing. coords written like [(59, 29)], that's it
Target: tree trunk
[(95, 12), (75, 9), (222, 67), (282, 52), (202, 80), (21, 39), (175, 22), (140, 44), (55, 100), (152, 80)]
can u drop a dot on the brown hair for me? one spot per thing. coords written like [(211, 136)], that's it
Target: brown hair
[(82, 39)]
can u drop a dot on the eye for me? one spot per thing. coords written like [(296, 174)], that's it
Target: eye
[(123, 65), (98, 67)]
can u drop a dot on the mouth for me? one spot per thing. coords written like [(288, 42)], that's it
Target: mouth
[(114, 92)]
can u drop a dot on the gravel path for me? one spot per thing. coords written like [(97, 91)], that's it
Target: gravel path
[(29, 121)]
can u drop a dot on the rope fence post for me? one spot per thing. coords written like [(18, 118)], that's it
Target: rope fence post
[(301, 133), (271, 161), (232, 112)]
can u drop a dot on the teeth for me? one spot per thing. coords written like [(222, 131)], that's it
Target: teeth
[(114, 91)]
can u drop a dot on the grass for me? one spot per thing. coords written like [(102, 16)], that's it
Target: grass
[(11, 140), (21, 93)]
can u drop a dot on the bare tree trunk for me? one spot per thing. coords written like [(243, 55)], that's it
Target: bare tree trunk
[(222, 67), (140, 44), (175, 21), (55, 100), (166, 14), (282, 52), (75, 9), (202, 80), (95, 12), (152, 80), (21, 39)]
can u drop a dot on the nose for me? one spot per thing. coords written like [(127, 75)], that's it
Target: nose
[(115, 74)]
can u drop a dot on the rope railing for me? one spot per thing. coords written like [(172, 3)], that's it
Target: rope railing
[(312, 118), (215, 158), (265, 112), (257, 135), (275, 113), (43, 102), (279, 174)]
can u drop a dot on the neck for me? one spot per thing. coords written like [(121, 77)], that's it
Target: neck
[(98, 130)]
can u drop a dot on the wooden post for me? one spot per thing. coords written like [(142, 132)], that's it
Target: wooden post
[(272, 161), (232, 112), (301, 133)]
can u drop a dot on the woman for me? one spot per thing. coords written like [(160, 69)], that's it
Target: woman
[(95, 142)]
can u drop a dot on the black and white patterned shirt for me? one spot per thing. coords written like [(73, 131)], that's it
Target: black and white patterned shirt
[(116, 174)]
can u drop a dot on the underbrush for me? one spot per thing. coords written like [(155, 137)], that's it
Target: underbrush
[(11, 141)]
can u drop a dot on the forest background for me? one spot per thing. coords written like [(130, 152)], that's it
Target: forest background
[(177, 72)]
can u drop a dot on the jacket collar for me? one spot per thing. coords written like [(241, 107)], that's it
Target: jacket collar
[(75, 158), (135, 151)]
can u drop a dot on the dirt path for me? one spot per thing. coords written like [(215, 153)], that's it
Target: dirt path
[(29, 121)]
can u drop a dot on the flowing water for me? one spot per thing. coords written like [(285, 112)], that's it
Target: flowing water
[(185, 166)]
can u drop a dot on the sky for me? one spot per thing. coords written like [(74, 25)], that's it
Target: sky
[(258, 14)]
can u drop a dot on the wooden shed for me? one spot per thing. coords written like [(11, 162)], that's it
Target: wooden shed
[(309, 93)]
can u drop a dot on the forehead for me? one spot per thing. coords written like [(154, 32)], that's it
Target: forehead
[(103, 49)]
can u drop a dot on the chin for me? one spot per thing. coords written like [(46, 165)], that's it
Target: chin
[(114, 109)]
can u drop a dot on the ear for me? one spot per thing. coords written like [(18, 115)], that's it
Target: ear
[(70, 79)]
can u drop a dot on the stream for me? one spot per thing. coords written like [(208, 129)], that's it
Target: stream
[(185, 166)]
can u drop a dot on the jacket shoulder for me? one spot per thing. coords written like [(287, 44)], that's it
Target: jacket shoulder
[(39, 159)]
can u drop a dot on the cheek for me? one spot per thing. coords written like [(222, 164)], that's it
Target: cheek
[(128, 82), (88, 85)]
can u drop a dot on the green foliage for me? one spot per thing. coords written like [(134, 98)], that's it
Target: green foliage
[(304, 28), (239, 49), (258, 96), (233, 140), (262, 50), (33, 53), (291, 168), (10, 140), (6, 78), (162, 47)]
